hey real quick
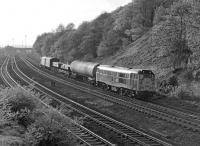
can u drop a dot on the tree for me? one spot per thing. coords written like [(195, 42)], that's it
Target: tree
[(60, 28), (172, 36), (70, 27), (159, 15), (39, 43), (181, 11)]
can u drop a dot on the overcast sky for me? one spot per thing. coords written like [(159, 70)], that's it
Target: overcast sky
[(25, 19)]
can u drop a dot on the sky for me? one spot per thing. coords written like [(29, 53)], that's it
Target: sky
[(23, 20)]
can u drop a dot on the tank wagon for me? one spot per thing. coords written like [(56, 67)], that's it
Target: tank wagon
[(124, 81), (85, 71)]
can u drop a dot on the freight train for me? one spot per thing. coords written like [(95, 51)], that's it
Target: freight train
[(124, 81)]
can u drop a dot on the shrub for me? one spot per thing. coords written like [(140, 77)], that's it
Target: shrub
[(38, 125), (188, 76), (18, 106), (24, 117), (173, 81), (46, 132), (19, 99), (184, 92)]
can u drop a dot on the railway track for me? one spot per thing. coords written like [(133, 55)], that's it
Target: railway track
[(188, 114), (170, 109), (2, 82), (185, 120), (84, 136), (127, 134), (8, 80)]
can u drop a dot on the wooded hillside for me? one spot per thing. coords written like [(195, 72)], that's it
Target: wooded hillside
[(144, 32), (103, 36)]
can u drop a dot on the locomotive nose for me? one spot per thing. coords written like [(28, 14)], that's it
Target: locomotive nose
[(147, 84)]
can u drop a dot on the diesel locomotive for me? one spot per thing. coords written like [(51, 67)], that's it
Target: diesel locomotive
[(124, 81)]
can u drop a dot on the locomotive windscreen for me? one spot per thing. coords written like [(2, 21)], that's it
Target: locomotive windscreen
[(147, 73)]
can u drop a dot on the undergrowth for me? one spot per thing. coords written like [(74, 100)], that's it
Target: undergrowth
[(24, 117)]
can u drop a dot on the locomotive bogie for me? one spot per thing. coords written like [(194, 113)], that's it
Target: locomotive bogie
[(119, 90)]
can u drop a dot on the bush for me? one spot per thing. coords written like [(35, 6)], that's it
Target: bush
[(19, 99), (18, 106), (38, 125), (189, 76), (173, 81), (46, 132), (24, 117), (184, 92)]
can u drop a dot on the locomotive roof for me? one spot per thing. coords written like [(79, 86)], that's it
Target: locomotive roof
[(118, 69)]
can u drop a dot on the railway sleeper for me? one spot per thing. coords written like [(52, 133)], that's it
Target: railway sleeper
[(84, 133), (78, 131), (81, 134), (92, 140), (127, 130), (98, 144), (135, 135), (42, 97), (86, 136)]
